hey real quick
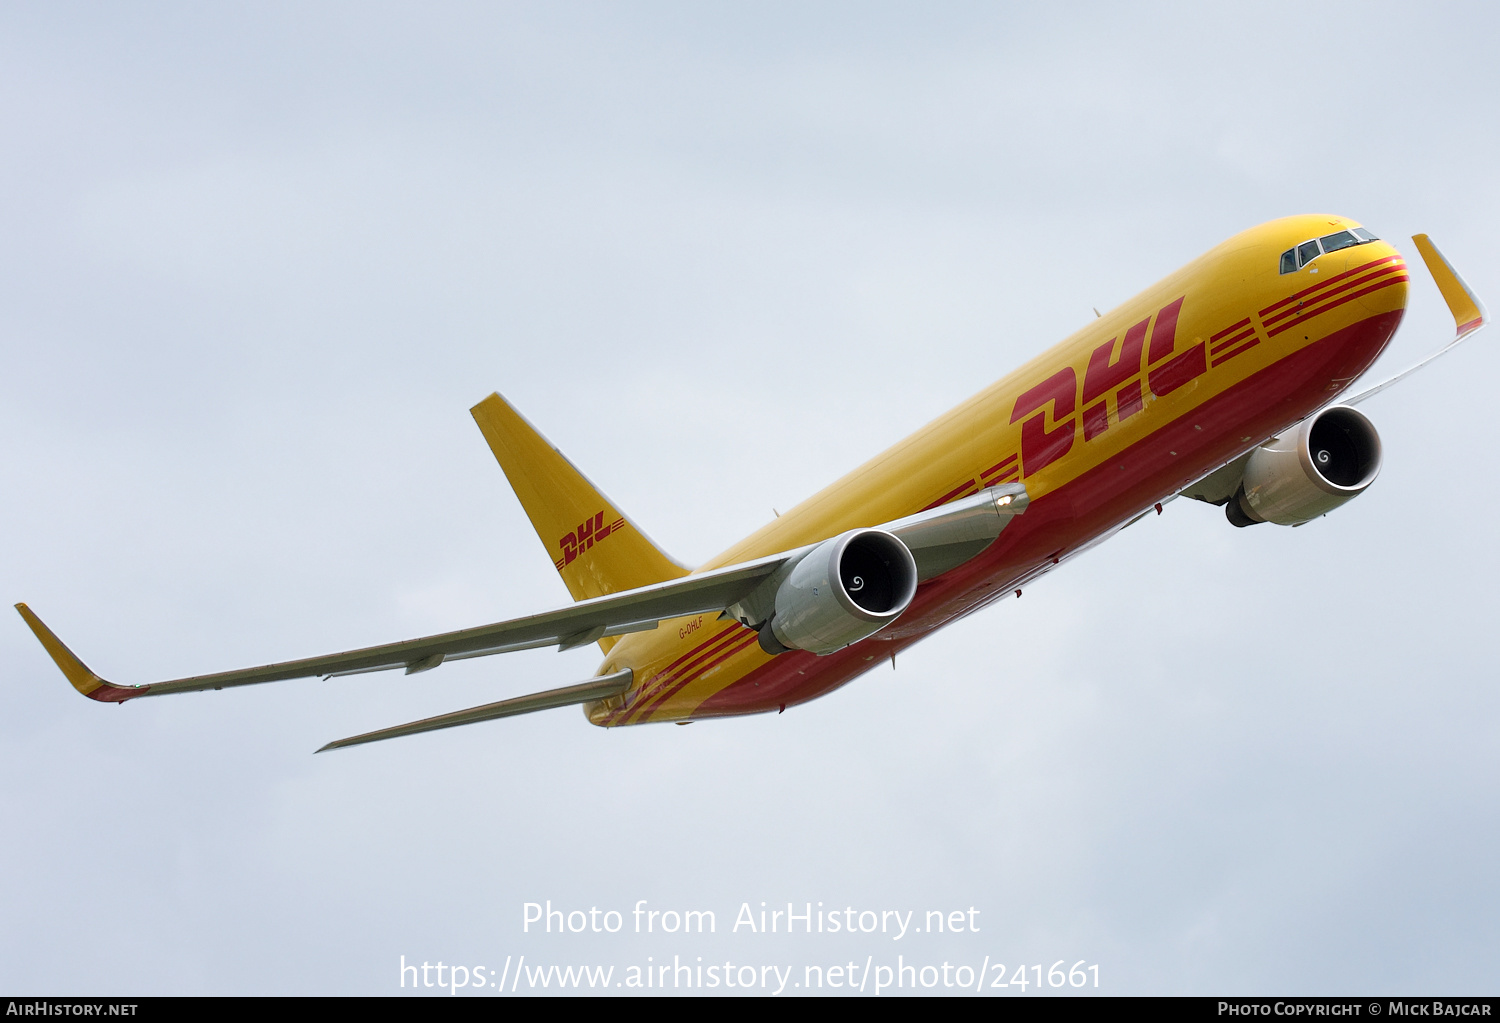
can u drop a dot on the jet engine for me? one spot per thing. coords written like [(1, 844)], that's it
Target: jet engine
[(1328, 460), (841, 591)]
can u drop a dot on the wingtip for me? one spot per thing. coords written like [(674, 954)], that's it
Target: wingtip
[(353, 740), (80, 675), (1469, 313)]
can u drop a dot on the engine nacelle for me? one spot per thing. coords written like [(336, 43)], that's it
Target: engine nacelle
[(1330, 459), (841, 591)]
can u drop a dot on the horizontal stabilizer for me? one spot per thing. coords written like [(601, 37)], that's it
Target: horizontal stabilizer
[(594, 689)]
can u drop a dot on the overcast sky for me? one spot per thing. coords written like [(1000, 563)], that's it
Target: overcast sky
[(258, 262)]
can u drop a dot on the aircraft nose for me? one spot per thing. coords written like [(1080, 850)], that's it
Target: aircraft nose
[(1380, 277)]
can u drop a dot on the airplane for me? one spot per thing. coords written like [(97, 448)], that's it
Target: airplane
[(1219, 383)]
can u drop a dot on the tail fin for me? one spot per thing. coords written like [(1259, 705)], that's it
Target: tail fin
[(596, 549)]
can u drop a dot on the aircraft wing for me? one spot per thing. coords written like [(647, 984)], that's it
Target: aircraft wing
[(576, 625), (962, 528)]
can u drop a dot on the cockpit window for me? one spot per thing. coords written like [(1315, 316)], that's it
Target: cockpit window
[(1297, 258), (1341, 240)]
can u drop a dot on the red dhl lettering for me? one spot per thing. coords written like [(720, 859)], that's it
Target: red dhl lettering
[(1040, 446), (589, 532), (1178, 369), (1105, 374), (1111, 372)]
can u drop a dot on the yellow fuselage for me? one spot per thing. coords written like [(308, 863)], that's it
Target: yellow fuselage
[(1197, 369)]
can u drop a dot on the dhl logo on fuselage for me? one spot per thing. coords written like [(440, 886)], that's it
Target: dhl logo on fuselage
[(1122, 375), (1116, 371), (588, 533), (1126, 371), (1103, 390)]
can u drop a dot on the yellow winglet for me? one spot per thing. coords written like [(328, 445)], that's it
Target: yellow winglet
[(78, 673), (1468, 311)]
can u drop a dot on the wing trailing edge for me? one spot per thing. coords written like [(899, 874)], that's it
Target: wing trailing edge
[(940, 539), (614, 615)]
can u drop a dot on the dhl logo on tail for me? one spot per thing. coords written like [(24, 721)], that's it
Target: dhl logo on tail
[(588, 533)]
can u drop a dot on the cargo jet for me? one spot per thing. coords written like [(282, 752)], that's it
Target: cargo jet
[(1220, 383)]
